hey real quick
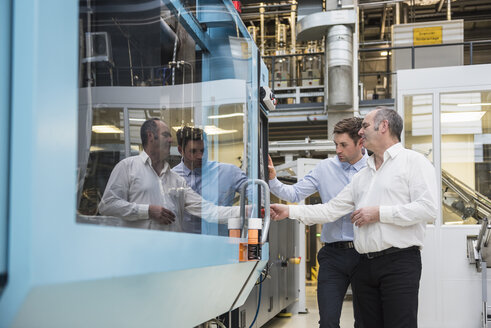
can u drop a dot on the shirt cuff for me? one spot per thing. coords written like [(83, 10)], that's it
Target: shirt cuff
[(143, 211), (385, 214), (274, 181)]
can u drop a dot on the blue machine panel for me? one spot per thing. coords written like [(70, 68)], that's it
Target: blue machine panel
[(66, 273), (5, 28)]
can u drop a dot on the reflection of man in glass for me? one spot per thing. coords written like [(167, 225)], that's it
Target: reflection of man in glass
[(215, 182), (145, 193)]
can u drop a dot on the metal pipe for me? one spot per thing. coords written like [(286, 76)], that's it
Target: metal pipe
[(398, 13), (382, 28), (262, 5), (404, 13), (294, 41), (131, 62), (362, 23), (254, 16), (261, 16), (449, 10), (378, 4), (440, 5), (471, 50), (293, 25)]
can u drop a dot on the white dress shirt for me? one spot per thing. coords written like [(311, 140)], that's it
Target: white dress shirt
[(134, 185), (404, 188), (328, 177)]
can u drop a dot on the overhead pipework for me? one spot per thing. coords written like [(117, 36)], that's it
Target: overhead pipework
[(336, 25)]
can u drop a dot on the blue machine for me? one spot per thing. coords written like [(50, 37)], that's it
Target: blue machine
[(59, 271)]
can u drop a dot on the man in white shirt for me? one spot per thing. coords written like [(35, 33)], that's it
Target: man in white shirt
[(392, 198), (337, 258), (144, 192)]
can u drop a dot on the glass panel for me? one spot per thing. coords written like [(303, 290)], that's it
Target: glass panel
[(5, 64), (466, 149), (418, 129), (143, 64), (418, 126)]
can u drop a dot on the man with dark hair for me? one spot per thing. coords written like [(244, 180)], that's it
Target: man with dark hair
[(145, 193), (392, 200), (338, 258), (215, 182)]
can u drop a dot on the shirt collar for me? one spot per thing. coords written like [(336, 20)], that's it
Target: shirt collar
[(390, 152), (393, 150), (185, 170), (146, 159), (357, 166)]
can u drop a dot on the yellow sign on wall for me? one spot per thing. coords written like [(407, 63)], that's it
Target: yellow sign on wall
[(427, 35)]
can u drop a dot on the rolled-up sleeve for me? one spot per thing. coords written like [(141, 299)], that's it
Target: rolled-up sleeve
[(340, 205)]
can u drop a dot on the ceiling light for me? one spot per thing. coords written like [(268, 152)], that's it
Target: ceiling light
[(461, 117), (106, 129), (384, 53), (211, 130), (226, 115), (476, 104)]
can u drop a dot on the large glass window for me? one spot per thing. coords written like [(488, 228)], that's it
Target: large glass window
[(418, 126), (145, 61), (466, 156)]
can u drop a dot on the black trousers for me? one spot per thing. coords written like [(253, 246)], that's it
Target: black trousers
[(336, 269), (387, 289)]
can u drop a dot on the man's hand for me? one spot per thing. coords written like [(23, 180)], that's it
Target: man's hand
[(365, 215), (279, 211), (271, 170), (160, 214)]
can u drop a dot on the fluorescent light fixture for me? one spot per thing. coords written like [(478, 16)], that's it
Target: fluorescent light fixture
[(461, 117), (211, 130), (476, 104), (106, 129), (384, 53), (137, 119), (226, 115)]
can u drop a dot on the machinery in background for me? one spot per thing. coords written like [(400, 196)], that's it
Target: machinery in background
[(463, 200), (293, 254), (311, 69), (479, 254)]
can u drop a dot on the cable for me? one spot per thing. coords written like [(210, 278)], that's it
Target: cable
[(258, 304)]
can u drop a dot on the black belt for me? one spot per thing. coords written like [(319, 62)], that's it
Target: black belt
[(341, 244), (388, 251)]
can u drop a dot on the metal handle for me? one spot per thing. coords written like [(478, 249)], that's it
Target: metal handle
[(267, 218)]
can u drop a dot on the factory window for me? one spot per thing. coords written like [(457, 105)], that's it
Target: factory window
[(139, 62), (465, 156), (418, 129), (418, 124)]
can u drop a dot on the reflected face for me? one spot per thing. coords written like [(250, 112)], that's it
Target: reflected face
[(193, 154), (163, 140), (346, 149), (367, 131)]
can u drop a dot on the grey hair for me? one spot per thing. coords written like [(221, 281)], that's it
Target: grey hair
[(394, 119)]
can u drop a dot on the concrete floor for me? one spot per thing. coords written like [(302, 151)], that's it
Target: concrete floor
[(311, 318)]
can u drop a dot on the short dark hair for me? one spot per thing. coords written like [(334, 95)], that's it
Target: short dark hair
[(351, 126), (394, 119), (149, 125), (186, 134)]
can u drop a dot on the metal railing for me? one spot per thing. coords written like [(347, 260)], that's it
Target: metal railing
[(295, 79)]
